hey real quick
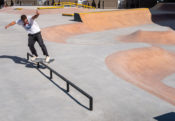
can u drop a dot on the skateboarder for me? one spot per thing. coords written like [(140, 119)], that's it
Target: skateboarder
[(34, 34)]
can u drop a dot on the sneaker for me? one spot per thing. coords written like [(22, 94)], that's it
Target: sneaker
[(33, 58), (47, 59)]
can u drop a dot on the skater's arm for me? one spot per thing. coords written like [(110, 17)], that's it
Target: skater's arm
[(36, 15), (10, 24)]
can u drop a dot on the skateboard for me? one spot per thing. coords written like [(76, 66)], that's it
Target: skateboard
[(43, 60)]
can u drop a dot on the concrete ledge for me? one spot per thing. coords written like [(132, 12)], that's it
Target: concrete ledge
[(18, 8), (50, 7), (67, 14)]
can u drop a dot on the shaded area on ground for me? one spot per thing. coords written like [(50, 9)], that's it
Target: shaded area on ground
[(18, 60), (163, 14), (28, 64), (166, 117), (164, 7)]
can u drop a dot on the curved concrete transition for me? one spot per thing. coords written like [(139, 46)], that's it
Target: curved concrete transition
[(100, 21), (130, 78), (152, 37), (145, 67), (63, 32)]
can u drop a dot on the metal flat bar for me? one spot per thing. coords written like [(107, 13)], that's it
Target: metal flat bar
[(73, 85), (67, 81)]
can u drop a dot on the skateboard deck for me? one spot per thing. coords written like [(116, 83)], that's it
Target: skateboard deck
[(39, 60)]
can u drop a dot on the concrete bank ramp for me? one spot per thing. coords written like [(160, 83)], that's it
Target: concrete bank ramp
[(116, 19), (126, 18)]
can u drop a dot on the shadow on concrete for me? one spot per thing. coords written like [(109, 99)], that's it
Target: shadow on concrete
[(62, 89), (164, 15), (166, 117), (19, 60), (24, 61), (165, 19)]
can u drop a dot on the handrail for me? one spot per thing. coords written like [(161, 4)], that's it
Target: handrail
[(66, 80)]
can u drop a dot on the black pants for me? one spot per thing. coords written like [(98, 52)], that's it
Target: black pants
[(31, 41)]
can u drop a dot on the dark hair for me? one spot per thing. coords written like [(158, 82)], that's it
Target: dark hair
[(23, 17)]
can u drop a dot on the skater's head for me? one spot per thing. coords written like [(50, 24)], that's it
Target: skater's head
[(24, 19)]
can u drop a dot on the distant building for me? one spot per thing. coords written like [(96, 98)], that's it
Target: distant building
[(103, 4), (166, 0), (23, 2), (137, 3), (122, 3)]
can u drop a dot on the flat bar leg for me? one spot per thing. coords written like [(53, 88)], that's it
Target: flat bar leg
[(38, 65), (51, 74), (27, 56), (91, 104), (68, 87)]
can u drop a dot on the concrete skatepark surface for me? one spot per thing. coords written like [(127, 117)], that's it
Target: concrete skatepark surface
[(129, 80)]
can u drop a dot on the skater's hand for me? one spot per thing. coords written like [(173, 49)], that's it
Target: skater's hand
[(10, 24), (37, 13), (6, 27), (36, 16)]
